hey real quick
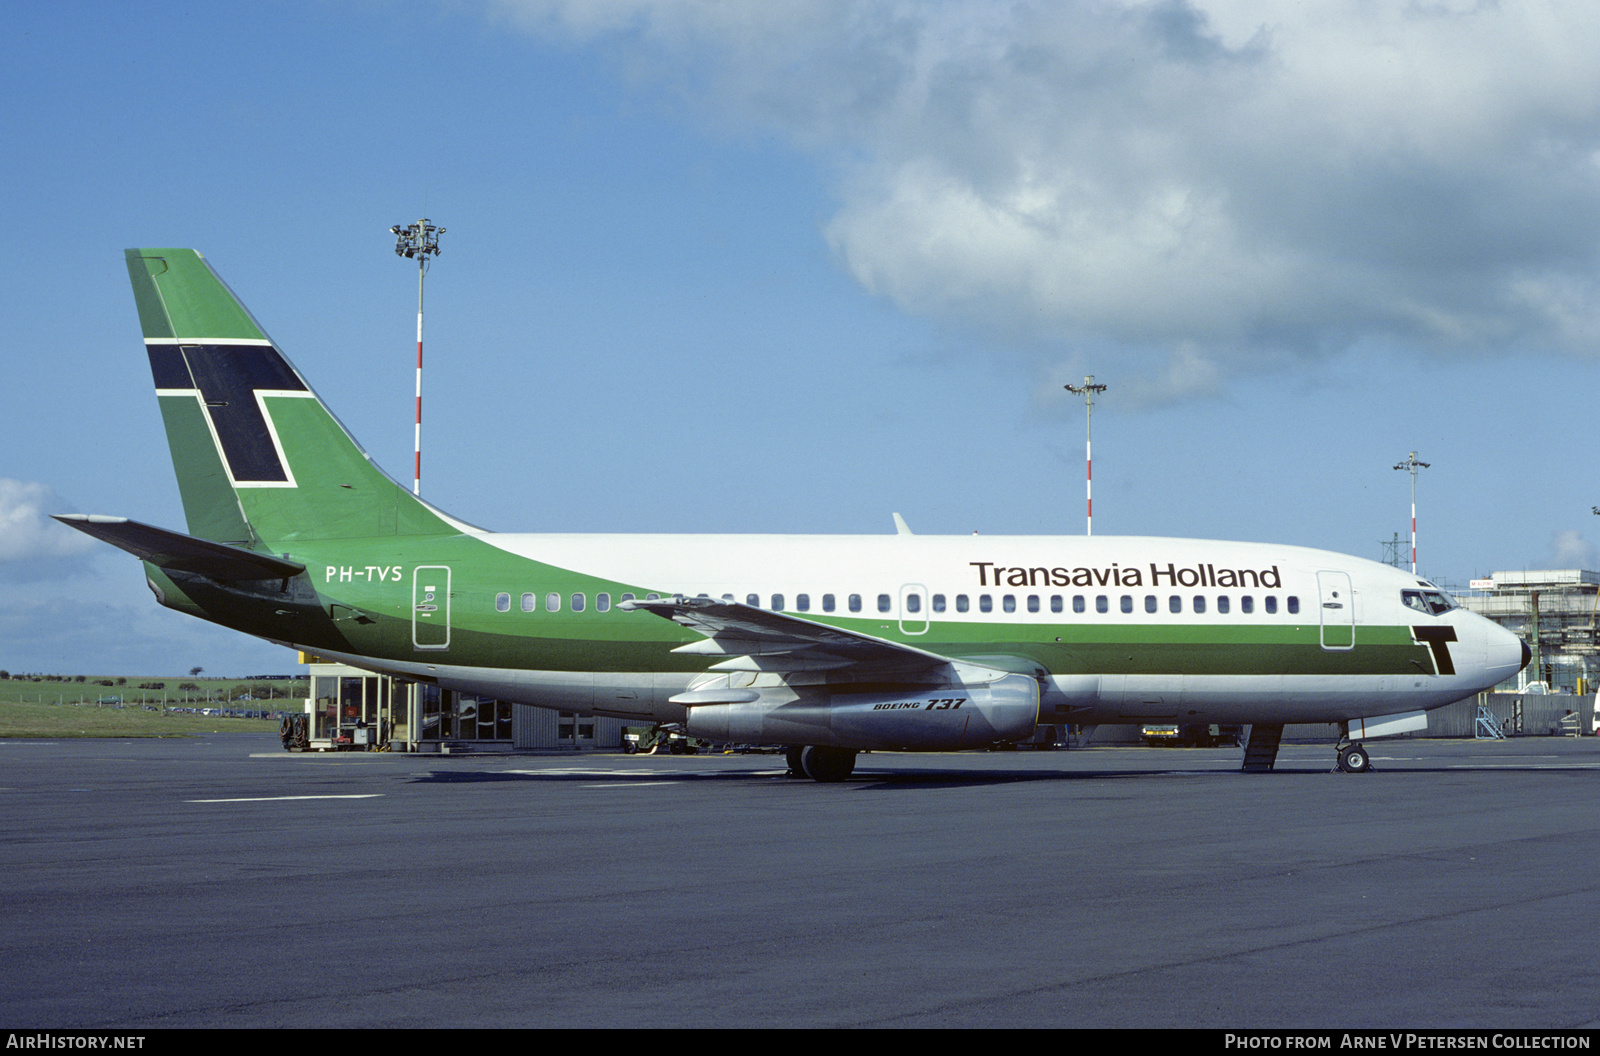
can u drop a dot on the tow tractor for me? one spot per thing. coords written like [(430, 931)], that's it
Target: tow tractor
[(663, 739)]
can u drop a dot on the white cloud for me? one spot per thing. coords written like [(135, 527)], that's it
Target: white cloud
[(27, 534), (1225, 182), (1569, 549)]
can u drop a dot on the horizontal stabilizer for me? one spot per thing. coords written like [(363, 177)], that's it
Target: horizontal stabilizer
[(181, 553)]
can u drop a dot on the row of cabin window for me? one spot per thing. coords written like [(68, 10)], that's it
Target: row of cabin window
[(1008, 603)]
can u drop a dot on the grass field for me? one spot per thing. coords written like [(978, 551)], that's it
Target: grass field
[(91, 709)]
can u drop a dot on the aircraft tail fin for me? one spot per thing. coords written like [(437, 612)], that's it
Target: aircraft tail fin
[(260, 460)]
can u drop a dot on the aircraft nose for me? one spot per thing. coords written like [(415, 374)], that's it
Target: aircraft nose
[(1504, 652), (1508, 654)]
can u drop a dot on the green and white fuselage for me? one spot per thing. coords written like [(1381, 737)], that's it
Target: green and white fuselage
[(895, 640), (545, 613)]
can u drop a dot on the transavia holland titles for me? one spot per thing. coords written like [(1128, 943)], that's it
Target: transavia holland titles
[(993, 575)]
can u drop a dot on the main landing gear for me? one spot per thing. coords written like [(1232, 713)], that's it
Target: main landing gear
[(821, 763)]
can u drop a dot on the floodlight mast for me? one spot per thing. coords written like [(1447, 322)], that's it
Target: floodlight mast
[(1087, 391), (419, 240), (1412, 465)]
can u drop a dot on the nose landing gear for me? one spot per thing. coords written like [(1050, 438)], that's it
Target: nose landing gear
[(1353, 759)]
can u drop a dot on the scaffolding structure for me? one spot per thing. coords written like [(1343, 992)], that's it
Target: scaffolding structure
[(1555, 613)]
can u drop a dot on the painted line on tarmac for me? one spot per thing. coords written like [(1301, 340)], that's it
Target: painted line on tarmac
[(1522, 766), (276, 799), (640, 777)]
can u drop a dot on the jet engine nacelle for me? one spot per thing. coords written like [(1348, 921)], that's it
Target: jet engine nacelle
[(971, 715)]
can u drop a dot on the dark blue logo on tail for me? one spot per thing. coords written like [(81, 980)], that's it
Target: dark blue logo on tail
[(227, 377)]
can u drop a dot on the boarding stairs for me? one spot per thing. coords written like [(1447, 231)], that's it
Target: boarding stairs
[(1261, 751), (1488, 727)]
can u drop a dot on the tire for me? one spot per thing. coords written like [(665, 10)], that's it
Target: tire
[(1354, 759), (827, 764)]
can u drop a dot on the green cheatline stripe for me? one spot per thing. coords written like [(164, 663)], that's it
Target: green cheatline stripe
[(637, 642), (619, 641)]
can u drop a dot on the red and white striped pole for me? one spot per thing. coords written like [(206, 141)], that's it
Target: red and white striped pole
[(1088, 487), (1412, 465), (1087, 391), (419, 240), (416, 462)]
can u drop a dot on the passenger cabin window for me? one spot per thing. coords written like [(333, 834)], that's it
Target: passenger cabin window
[(884, 603), (1247, 604), (938, 603), (963, 603), (802, 602), (985, 603), (502, 602), (1102, 603), (1199, 603), (1174, 604), (602, 602), (577, 603), (855, 603), (1009, 603), (913, 602), (1127, 603), (1294, 604), (1222, 603), (753, 600), (530, 602), (827, 603), (1078, 603), (777, 603), (1271, 602), (552, 602)]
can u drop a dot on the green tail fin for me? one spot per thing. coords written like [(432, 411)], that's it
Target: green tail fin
[(260, 460)]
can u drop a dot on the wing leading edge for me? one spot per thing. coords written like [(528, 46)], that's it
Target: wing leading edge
[(752, 639)]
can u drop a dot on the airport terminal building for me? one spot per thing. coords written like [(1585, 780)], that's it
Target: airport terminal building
[(354, 708)]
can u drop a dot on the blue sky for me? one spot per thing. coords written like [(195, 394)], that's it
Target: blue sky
[(795, 266)]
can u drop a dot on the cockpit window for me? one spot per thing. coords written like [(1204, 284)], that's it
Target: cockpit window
[(1430, 602)]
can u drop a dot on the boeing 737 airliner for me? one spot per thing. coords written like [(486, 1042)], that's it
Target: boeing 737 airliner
[(827, 644)]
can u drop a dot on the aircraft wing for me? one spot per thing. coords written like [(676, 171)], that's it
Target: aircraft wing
[(753, 639), (179, 552)]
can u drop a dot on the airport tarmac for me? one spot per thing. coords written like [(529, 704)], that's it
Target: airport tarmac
[(223, 882)]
